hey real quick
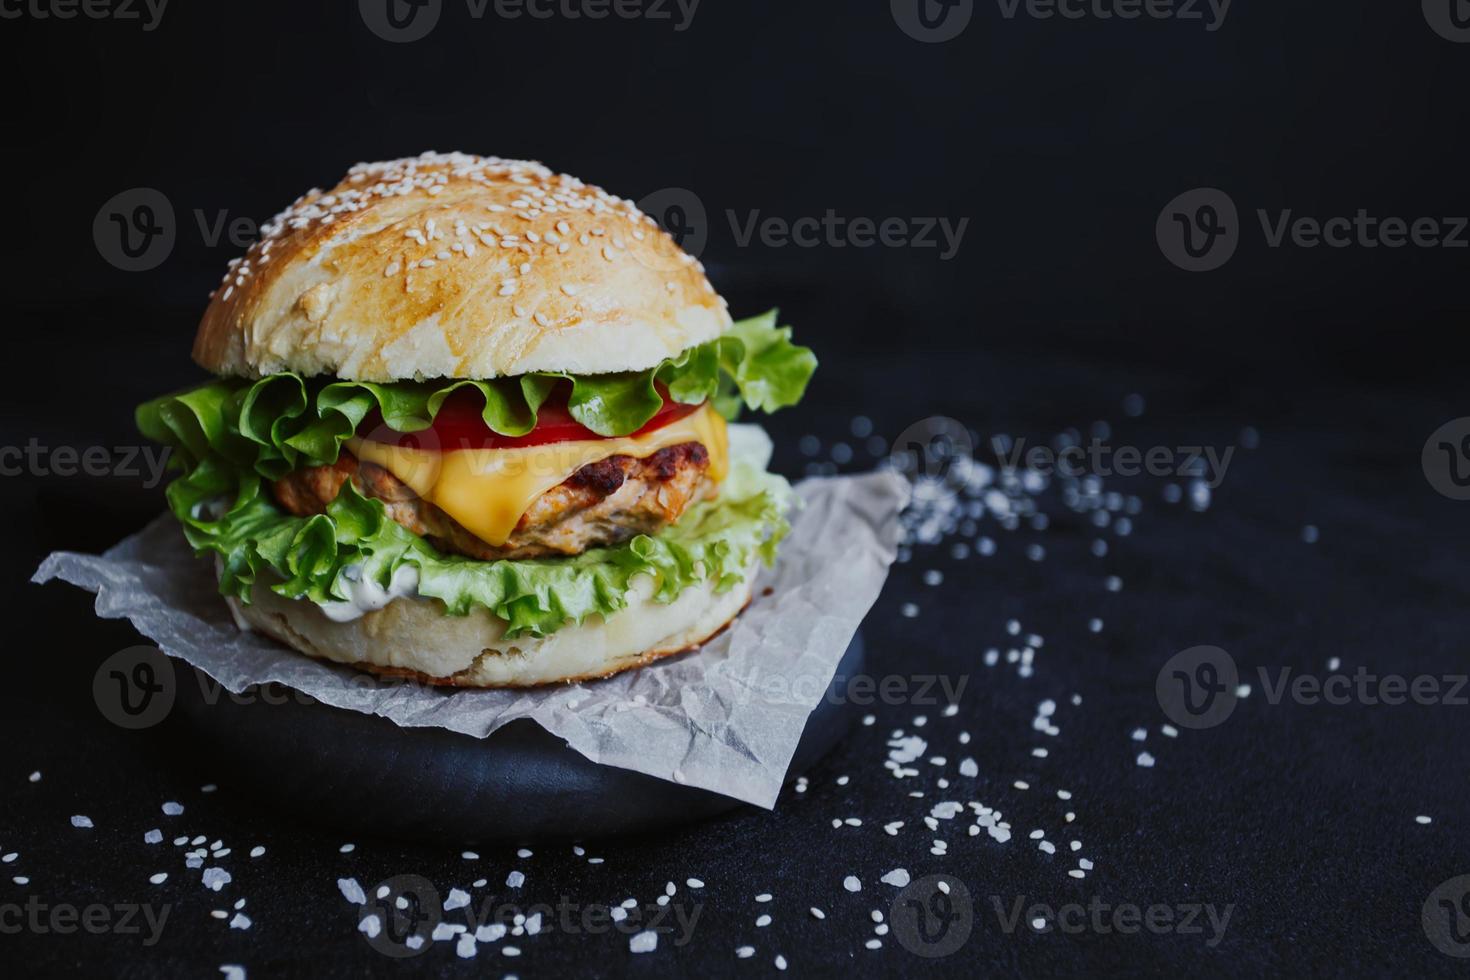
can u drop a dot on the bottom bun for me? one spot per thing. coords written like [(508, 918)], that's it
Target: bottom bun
[(414, 638)]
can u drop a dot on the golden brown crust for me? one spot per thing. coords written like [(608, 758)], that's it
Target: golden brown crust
[(449, 265), (414, 639), (626, 663)]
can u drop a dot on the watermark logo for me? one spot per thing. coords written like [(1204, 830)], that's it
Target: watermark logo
[(401, 21), (1446, 459), (681, 213), (135, 230), (1199, 230), (135, 688), (933, 447), (932, 916), (1446, 917), (1450, 19), (932, 21), (400, 915), (405, 21), (1197, 688)]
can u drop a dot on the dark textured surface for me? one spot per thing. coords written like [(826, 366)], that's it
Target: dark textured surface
[(366, 775), (1060, 141), (1301, 818)]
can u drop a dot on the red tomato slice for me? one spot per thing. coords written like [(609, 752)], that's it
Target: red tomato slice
[(460, 424)]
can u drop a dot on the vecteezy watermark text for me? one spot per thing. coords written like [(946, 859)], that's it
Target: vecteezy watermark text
[(1209, 12), (98, 919), (403, 914), (1200, 230), (863, 690), (937, 21), (681, 213), (832, 230), (136, 230), (1200, 687), (1103, 918), (35, 459), (1098, 457), (148, 12), (404, 21)]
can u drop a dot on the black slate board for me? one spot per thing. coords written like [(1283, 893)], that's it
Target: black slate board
[(362, 774)]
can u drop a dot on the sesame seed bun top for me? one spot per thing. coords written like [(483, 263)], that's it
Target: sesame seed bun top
[(457, 266)]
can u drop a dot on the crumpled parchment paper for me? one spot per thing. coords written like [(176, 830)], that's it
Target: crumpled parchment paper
[(726, 718)]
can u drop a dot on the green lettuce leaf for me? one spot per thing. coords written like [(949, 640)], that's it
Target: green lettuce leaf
[(232, 437), (283, 422), (230, 513)]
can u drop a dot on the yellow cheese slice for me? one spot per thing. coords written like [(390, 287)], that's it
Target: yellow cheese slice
[(487, 490)]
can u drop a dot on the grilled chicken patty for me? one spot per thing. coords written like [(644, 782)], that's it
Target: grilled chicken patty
[(602, 503)]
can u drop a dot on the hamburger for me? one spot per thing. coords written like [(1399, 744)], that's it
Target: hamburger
[(470, 424)]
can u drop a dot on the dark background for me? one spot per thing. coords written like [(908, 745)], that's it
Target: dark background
[(1060, 141)]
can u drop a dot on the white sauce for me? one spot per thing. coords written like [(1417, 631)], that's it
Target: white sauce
[(365, 596)]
